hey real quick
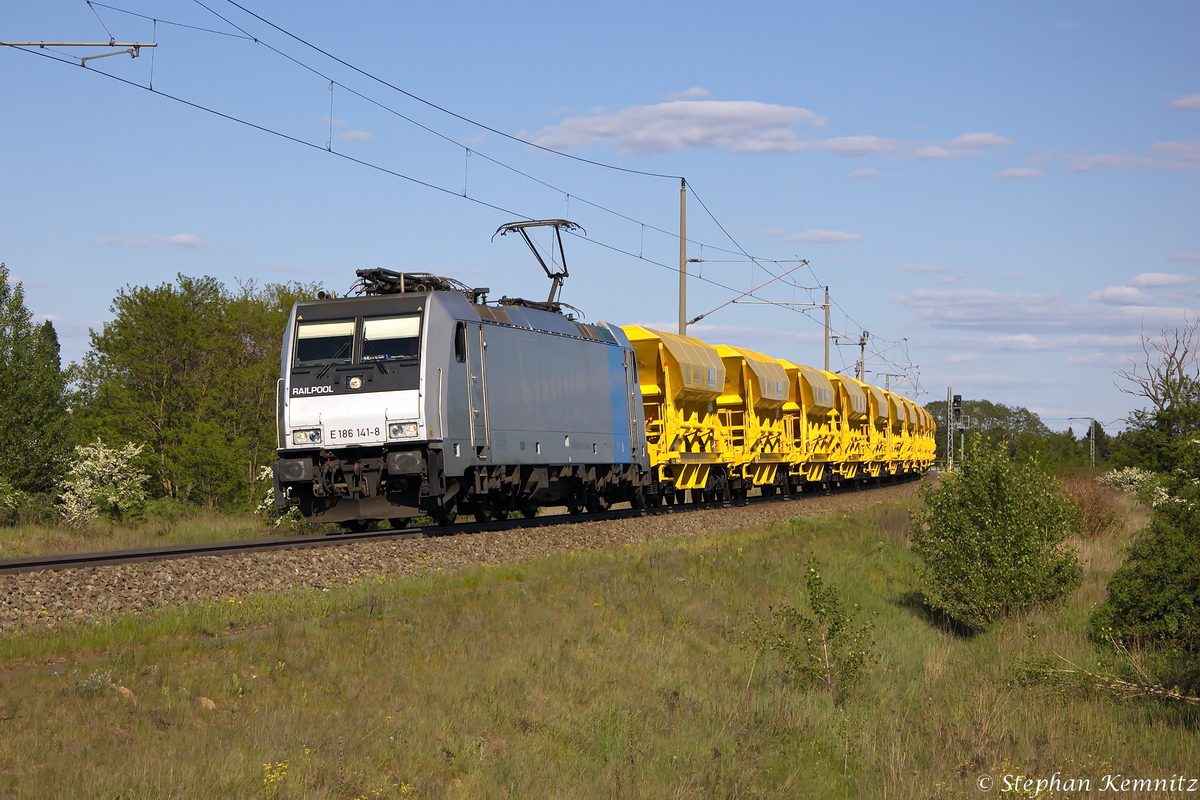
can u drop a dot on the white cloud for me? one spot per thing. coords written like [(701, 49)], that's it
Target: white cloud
[(1187, 101), (867, 174), (356, 136), (1152, 280), (959, 358), (694, 93), (739, 125), (855, 146), (937, 153), (948, 274), (973, 140), (187, 240), (1185, 257), (1188, 151), (1027, 312), (1121, 296), (1026, 342), (1182, 295), (1100, 359), (337, 123), (823, 237), (1171, 156), (298, 269), (1019, 173)]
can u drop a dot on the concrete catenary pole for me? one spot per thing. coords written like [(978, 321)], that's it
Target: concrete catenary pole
[(683, 257)]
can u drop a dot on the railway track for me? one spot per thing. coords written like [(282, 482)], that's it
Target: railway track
[(61, 561)]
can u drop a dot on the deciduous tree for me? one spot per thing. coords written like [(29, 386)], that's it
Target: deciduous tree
[(188, 370), (33, 407)]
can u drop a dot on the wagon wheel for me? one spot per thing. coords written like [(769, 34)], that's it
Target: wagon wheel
[(529, 510), (596, 503), (399, 522), (355, 525), (444, 516)]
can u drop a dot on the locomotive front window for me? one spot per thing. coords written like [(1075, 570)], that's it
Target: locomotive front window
[(391, 337), (319, 344)]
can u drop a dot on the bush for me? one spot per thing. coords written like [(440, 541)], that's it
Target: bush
[(1140, 484), (102, 480), (991, 538), (11, 501), (1096, 505), (827, 649), (1154, 597)]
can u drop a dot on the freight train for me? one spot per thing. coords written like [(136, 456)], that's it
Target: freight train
[(416, 397)]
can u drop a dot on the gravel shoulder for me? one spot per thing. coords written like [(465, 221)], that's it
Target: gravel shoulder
[(46, 599)]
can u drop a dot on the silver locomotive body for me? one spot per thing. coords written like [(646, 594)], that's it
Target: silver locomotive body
[(426, 403)]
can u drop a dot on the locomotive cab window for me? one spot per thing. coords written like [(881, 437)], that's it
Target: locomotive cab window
[(391, 337), (319, 344), (460, 342)]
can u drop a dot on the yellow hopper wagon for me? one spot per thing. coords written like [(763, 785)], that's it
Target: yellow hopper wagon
[(811, 425), (681, 379), (878, 452), (751, 413)]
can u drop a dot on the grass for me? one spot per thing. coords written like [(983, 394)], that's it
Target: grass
[(198, 526), (604, 674)]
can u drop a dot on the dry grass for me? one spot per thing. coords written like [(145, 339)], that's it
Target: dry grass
[(1102, 510), (611, 674)]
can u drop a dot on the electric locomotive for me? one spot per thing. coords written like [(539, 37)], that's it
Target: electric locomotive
[(415, 398)]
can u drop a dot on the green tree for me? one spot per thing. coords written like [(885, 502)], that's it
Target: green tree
[(1154, 597), (33, 405), (188, 370), (1019, 431), (992, 538)]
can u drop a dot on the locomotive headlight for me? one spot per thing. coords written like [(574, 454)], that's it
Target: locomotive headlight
[(402, 430), (306, 436)]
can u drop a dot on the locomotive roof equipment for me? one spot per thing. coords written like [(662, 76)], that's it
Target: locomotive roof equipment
[(556, 275)]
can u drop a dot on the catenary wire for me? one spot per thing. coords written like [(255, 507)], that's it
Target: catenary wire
[(102, 25), (359, 161), (247, 35), (176, 24), (433, 105)]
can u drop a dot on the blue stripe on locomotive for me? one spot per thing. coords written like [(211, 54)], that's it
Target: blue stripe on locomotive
[(620, 405)]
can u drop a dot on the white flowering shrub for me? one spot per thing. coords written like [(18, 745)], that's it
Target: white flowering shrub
[(275, 516), (11, 501), (102, 480), (1141, 484)]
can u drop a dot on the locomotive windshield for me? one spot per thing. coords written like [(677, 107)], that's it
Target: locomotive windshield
[(391, 337), (322, 343)]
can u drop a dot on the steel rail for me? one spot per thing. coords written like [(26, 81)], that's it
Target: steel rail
[(64, 561)]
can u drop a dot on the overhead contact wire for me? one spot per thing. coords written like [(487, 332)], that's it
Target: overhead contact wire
[(431, 104), (247, 35)]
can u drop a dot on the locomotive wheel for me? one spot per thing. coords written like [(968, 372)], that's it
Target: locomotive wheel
[(444, 516), (355, 525), (529, 510), (596, 503), (399, 522), (768, 491)]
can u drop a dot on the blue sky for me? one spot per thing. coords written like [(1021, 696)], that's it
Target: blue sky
[(1011, 187)]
